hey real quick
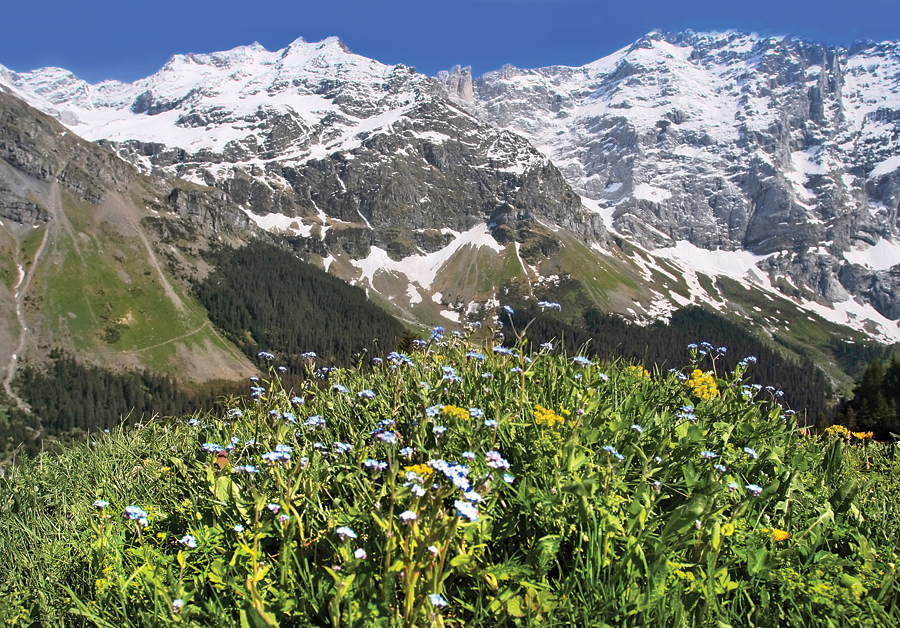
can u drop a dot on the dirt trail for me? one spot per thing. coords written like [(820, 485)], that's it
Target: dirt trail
[(21, 290)]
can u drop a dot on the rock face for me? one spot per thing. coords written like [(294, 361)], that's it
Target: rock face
[(317, 133), (728, 141)]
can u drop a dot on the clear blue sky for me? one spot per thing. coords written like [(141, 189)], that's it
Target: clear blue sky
[(126, 40)]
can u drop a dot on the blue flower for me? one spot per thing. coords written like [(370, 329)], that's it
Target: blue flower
[(315, 421), (754, 489), (508, 478), (265, 355), (721, 468), (502, 350), (342, 448), (341, 389), (750, 453), (508, 309), (309, 355), (708, 455), (437, 333), (188, 541), (359, 554), (475, 355), (637, 428), (177, 604), (580, 360), (467, 510), (375, 465), (732, 487), (437, 600), (273, 507), (407, 452), (549, 305), (490, 424), (234, 412), (432, 411), (211, 448), (439, 430), (494, 460), (345, 533), (100, 504), (238, 528), (547, 345), (408, 516), (366, 394), (476, 413), (468, 455)]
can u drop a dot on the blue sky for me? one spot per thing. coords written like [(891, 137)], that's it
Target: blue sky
[(101, 39)]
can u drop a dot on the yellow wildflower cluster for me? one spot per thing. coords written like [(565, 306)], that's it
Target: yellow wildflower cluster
[(703, 385), (779, 535), (842, 432), (422, 470), (455, 412), (637, 371), (545, 416)]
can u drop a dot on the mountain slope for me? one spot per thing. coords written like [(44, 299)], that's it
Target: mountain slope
[(83, 268)]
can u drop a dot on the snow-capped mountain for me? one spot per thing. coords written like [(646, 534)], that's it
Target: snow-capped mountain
[(777, 146), (771, 163)]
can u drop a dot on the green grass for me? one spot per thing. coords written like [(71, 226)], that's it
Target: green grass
[(614, 512)]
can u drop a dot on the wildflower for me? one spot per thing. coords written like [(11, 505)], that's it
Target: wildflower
[(491, 424), (780, 535), (468, 455), (283, 518), (721, 468), (177, 604), (419, 344), (508, 309), (508, 478), (692, 347), (289, 417), (341, 389), (377, 361), (359, 554), (722, 349), (437, 333), (580, 360), (345, 533), (134, 513), (604, 377), (476, 413), (750, 453), (309, 355), (657, 485), (434, 550), (193, 422), (502, 351), (637, 428), (494, 460), (407, 452), (472, 497), (315, 421), (297, 401), (366, 394), (282, 369), (549, 305), (433, 411), (467, 510), (211, 448), (417, 490), (437, 600), (408, 516), (474, 355), (732, 487), (609, 449), (342, 448), (100, 504), (703, 385), (188, 541), (246, 468), (238, 528), (547, 345), (386, 437), (487, 376), (439, 430), (375, 465), (273, 457), (708, 455), (754, 489), (516, 369), (265, 355)]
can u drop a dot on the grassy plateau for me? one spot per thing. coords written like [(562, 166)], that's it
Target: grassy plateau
[(465, 484)]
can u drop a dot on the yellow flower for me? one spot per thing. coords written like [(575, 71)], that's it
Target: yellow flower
[(422, 470), (780, 535), (455, 412), (545, 416), (703, 385), (638, 371), (838, 430), (863, 435)]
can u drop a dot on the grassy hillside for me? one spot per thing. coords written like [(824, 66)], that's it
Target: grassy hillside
[(465, 485)]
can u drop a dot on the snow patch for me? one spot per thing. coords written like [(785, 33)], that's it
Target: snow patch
[(883, 255), (647, 192)]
